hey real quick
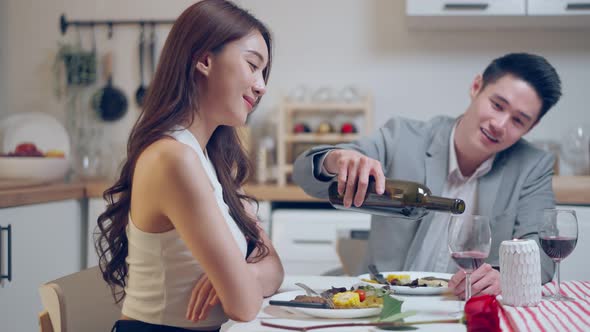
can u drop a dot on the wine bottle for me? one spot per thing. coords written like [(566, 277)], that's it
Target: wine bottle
[(403, 199)]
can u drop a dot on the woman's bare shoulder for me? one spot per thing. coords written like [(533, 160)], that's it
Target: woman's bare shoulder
[(167, 152), (166, 160)]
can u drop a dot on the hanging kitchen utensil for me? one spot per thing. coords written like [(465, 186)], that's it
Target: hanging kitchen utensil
[(80, 65), (153, 51), (90, 61), (94, 52), (109, 102), (141, 90)]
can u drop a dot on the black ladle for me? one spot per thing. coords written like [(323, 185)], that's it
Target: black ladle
[(141, 90)]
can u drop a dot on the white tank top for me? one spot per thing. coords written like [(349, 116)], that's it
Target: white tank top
[(163, 271)]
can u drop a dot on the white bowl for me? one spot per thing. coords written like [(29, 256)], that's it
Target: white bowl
[(27, 171), (41, 129)]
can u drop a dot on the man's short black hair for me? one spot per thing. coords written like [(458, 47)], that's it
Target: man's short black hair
[(531, 68)]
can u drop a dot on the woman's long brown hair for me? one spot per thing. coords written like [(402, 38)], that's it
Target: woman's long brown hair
[(172, 100)]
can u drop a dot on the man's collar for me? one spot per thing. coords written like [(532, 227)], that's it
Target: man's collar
[(455, 172)]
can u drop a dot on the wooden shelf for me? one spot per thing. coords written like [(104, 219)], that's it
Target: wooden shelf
[(320, 138), (356, 107), (572, 189), (41, 194), (274, 193), (286, 140)]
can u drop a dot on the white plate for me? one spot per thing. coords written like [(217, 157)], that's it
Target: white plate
[(413, 275), (41, 129), (325, 313)]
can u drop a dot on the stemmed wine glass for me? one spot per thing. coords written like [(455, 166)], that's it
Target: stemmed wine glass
[(469, 241), (558, 235)]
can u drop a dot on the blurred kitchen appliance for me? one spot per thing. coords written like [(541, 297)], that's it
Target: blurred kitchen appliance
[(576, 149), (553, 147), (263, 162)]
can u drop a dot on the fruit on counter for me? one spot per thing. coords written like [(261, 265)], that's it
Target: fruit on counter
[(325, 128), (26, 149), (301, 128), (348, 128), (55, 154)]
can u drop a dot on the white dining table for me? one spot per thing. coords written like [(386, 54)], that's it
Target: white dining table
[(547, 316), (428, 307)]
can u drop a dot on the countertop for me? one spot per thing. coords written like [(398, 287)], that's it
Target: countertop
[(568, 190)]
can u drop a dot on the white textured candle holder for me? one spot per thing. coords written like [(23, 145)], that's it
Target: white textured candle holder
[(520, 273)]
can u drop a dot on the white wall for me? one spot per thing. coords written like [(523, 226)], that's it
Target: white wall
[(4, 24), (411, 73), (365, 43)]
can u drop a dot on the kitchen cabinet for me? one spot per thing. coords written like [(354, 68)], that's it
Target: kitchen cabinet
[(496, 7), (575, 267), (465, 8), (46, 244), (306, 239), (558, 7), (494, 14)]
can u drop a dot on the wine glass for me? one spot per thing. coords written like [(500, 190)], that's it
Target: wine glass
[(558, 235), (469, 241)]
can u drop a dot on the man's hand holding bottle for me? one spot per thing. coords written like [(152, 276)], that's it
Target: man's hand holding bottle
[(484, 280), (353, 170)]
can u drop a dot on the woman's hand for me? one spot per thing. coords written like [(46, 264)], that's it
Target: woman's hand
[(353, 170), (203, 298)]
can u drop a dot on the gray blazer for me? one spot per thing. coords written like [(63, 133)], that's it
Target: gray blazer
[(514, 192)]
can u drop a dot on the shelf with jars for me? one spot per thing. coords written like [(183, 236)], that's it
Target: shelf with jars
[(306, 124)]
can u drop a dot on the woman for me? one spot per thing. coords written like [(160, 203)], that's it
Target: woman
[(176, 231)]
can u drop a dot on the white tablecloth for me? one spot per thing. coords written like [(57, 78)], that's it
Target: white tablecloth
[(548, 316), (430, 308)]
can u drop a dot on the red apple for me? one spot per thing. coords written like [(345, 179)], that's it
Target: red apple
[(27, 149), (301, 128), (348, 128)]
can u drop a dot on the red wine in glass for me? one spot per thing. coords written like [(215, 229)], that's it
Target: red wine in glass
[(558, 247), (558, 234), (469, 260)]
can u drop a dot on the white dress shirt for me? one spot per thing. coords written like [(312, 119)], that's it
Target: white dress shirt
[(434, 256)]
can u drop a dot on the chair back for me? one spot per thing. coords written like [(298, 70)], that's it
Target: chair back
[(80, 301), (351, 246)]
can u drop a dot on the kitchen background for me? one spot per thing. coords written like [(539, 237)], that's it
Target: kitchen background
[(368, 45), (371, 46)]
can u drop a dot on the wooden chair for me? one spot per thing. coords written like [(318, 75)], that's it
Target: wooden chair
[(80, 301), (351, 246)]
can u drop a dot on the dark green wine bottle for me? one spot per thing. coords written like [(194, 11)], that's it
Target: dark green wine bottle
[(403, 199)]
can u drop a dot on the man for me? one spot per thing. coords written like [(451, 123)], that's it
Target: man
[(479, 157)]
